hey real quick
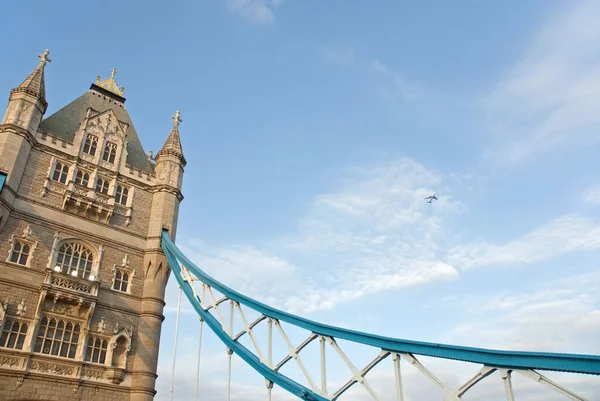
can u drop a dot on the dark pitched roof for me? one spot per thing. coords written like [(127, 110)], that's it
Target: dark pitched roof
[(65, 122)]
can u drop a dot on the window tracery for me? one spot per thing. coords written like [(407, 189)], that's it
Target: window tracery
[(102, 185), (91, 144), (110, 152), (97, 348), (61, 172), (14, 333), (82, 178), (21, 248), (57, 337), (75, 259), (122, 194)]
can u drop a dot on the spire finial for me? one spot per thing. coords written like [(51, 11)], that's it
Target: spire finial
[(112, 73), (177, 119), (44, 57)]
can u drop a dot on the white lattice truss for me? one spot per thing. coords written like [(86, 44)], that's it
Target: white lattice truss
[(212, 304)]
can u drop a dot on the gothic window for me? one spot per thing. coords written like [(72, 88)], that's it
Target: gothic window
[(82, 178), (74, 257), (20, 252), (14, 333), (91, 144), (58, 337), (96, 350), (102, 185), (121, 195), (121, 281), (110, 152), (61, 171)]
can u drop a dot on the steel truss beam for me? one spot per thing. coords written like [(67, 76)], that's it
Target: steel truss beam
[(506, 362)]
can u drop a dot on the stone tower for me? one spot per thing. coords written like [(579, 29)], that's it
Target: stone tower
[(82, 274)]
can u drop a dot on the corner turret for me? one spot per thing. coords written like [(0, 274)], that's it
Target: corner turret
[(170, 160), (27, 102)]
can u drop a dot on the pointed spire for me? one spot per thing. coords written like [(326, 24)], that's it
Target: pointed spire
[(172, 145), (35, 84)]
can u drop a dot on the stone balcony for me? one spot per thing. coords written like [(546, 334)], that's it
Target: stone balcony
[(55, 281)]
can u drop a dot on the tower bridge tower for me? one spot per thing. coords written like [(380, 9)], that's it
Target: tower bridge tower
[(82, 274)]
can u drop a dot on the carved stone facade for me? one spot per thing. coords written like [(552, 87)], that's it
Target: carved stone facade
[(82, 275)]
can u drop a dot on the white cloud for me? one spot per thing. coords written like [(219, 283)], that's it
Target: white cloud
[(374, 233), (569, 233), (592, 195), (337, 54), (260, 11), (549, 97), (559, 316)]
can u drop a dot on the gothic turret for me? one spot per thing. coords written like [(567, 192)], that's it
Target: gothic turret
[(170, 160), (27, 103), (26, 106)]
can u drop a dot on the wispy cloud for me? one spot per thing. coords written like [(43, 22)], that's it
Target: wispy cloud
[(592, 195), (374, 233), (394, 85), (337, 54), (563, 235), (261, 11), (562, 317), (549, 97)]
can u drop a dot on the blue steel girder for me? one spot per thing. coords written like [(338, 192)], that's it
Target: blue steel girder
[(495, 359)]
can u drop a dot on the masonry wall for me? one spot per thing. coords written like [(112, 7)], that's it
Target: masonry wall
[(50, 389), (122, 246)]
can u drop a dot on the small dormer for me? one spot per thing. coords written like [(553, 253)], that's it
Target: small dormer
[(102, 140)]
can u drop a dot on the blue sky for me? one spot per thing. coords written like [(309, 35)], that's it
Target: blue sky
[(313, 130)]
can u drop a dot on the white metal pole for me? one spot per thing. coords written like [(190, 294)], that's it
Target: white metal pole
[(175, 350), (229, 352), (199, 351)]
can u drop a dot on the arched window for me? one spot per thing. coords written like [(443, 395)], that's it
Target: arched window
[(96, 350), (91, 143), (60, 172), (57, 337), (121, 195), (82, 178), (20, 252), (102, 185), (13, 335), (75, 257), (110, 152), (121, 280)]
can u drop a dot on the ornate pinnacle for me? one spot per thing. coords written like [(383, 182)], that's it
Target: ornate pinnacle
[(110, 84), (44, 57), (177, 119)]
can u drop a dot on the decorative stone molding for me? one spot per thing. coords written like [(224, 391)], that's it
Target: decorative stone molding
[(10, 362), (70, 284), (115, 375), (94, 374), (52, 368)]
